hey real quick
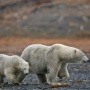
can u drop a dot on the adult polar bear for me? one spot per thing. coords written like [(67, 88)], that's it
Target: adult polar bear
[(12, 67), (51, 61)]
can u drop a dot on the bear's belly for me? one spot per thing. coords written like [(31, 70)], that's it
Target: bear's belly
[(38, 70)]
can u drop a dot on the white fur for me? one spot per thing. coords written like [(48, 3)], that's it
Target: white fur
[(12, 67), (51, 60)]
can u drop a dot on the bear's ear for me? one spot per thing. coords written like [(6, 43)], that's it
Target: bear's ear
[(75, 51)]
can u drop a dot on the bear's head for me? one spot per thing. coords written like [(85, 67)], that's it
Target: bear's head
[(80, 56), (70, 54), (24, 67), (76, 56)]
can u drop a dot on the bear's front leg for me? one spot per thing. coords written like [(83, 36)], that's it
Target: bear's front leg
[(10, 76), (52, 74), (63, 73), (20, 78), (12, 79)]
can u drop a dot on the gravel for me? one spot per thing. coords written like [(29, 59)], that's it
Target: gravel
[(79, 80)]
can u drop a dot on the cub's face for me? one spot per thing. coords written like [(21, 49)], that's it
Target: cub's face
[(24, 67)]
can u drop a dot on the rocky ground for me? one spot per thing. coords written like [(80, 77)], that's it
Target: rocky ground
[(79, 80)]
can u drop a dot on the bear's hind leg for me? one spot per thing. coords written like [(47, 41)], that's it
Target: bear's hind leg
[(63, 72), (42, 78)]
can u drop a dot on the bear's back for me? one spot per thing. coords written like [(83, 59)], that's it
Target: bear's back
[(34, 49), (37, 50), (3, 57), (3, 60)]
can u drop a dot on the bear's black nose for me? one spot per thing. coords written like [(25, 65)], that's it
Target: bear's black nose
[(88, 61), (27, 73)]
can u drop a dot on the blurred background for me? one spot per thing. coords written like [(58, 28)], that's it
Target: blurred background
[(25, 22)]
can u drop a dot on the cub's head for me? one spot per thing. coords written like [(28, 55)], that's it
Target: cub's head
[(24, 67)]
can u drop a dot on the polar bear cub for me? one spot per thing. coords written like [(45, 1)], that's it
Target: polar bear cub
[(12, 67), (48, 62)]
